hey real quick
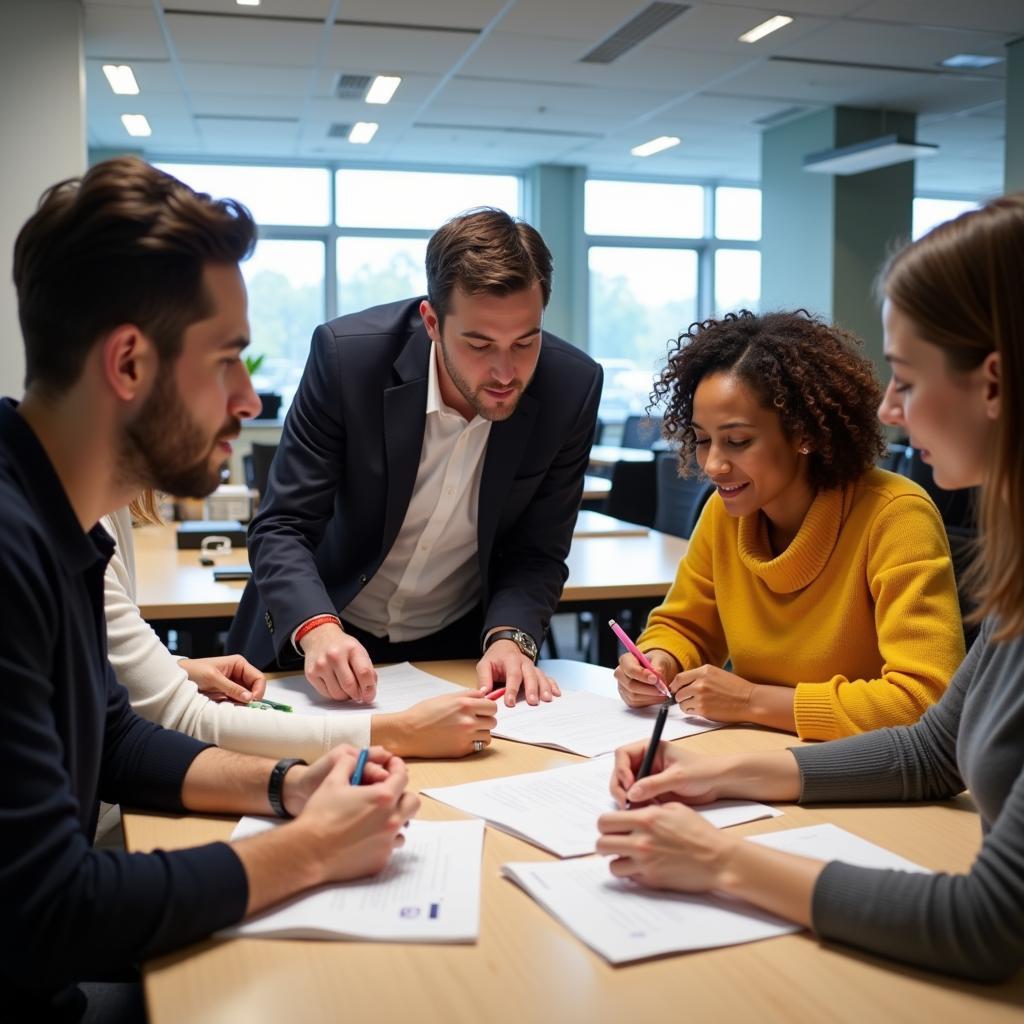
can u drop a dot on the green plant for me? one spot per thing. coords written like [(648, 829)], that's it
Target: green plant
[(253, 363)]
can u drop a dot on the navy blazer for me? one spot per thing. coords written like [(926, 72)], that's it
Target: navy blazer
[(343, 476)]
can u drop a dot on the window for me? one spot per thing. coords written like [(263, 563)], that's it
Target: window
[(285, 281), (931, 212), (274, 195), (372, 271), (644, 208), (418, 199), (662, 255)]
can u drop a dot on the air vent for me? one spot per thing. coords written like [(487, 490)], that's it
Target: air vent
[(338, 130), (771, 120), (640, 27), (352, 87)]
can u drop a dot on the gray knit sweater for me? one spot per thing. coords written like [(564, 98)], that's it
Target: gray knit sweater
[(973, 924)]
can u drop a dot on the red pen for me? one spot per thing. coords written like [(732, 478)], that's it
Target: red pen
[(495, 694), (638, 654)]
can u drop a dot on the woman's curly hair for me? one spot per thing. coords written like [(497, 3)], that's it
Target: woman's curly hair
[(813, 374)]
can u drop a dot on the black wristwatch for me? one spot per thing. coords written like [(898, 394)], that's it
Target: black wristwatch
[(522, 640), (275, 787)]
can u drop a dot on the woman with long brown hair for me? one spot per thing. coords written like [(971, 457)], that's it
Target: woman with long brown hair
[(954, 336)]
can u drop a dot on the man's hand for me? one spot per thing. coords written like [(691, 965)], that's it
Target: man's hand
[(337, 665), (638, 685), (503, 664), (229, 677), (444, 726)]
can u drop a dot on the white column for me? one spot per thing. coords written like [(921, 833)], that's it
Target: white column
[(42, 135)]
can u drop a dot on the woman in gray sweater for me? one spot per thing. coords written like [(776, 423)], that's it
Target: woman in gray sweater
[(954, 337)]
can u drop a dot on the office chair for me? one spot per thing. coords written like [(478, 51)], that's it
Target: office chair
[(679, 499), (641, 431), (633, 491)]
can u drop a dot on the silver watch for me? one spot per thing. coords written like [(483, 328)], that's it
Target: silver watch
[(522, 640)]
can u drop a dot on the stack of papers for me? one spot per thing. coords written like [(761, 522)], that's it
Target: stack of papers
[(558, 809), (398, 688), (622, 921), (429, 892)]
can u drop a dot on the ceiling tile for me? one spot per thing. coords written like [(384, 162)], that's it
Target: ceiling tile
[(240, 41)]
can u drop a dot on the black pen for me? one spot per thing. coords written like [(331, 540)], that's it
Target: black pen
[(652, 749)]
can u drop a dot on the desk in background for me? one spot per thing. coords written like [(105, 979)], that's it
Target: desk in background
[(526, 968), (608, 574)]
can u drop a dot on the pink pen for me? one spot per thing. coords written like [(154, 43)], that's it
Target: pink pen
[(635, 651)]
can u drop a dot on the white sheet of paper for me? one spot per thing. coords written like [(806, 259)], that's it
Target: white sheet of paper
[(584, 723), (429, 892), (623, 922), (557, 809), (580, 675), (398, 688)]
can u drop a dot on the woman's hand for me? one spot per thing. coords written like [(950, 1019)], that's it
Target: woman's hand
[(638, 686), (676, 774), (229, 677), (444, 726), (665, 847)]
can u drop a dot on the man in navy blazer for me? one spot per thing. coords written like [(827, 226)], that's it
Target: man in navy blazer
[(422, 500)]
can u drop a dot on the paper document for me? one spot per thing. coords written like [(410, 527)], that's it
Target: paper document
[(584, 723), (429, 892), (557, 809), (580, 675), (398, 688), (622, 921)]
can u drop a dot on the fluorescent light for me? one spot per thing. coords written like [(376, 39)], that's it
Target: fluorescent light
[(766, 28), (248, 3), (884, 151), (136, 124), (363, 131), (655, 145), (970, 60), (382, 88), (121, 79)]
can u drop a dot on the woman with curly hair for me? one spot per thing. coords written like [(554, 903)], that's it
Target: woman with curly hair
[(954, 337), (825, 581)]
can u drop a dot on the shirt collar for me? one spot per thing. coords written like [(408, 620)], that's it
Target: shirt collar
[(34, 471)]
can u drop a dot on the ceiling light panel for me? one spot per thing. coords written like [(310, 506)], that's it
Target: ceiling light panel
[(383, 88), (362, 132), (121, 79), (766, 28), (658, 145), (136, 125)]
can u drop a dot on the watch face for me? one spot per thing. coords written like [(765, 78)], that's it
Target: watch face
[(526, 644)]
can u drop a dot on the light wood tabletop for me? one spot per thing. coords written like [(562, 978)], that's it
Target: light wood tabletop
[(526, 967), (596, 487), (623, 562), (606, 455)]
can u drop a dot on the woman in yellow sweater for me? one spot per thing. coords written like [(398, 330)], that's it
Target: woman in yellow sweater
[(825, 581)]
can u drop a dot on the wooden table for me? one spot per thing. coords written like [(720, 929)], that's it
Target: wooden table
[(527, 968), (595, 488), (609, 573), (606, 455)]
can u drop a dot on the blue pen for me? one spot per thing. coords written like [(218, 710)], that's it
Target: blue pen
[(357, 775)]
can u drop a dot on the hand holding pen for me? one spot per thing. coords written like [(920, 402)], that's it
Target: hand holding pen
[(642, 678)]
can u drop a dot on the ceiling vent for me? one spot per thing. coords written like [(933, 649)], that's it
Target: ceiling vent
[(352, 87), (338, 130), (640, 27)]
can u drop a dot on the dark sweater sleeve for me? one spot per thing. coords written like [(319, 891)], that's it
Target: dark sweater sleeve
[(970, 925), (70, 911)]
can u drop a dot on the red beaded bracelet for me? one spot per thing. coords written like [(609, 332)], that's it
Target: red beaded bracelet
[(310, 624)]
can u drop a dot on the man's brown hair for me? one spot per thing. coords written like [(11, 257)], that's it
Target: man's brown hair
[(123, 244), (485, 251)]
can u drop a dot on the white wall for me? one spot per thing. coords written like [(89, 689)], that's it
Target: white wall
[(42, 135)]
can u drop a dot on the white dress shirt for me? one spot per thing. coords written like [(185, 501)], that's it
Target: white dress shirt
[(430, 577)]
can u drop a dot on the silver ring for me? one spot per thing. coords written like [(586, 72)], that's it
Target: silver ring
[(478, 745)]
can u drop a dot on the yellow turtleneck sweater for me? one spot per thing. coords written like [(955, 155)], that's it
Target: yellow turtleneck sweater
[(859, 613)]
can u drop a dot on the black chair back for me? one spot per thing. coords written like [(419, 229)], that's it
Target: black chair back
[(957, 508), (641, 431), (633, 492), (262, 456), (680, 499)]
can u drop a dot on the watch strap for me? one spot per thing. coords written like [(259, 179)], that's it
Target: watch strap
[(521, 639), (275, 787)]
